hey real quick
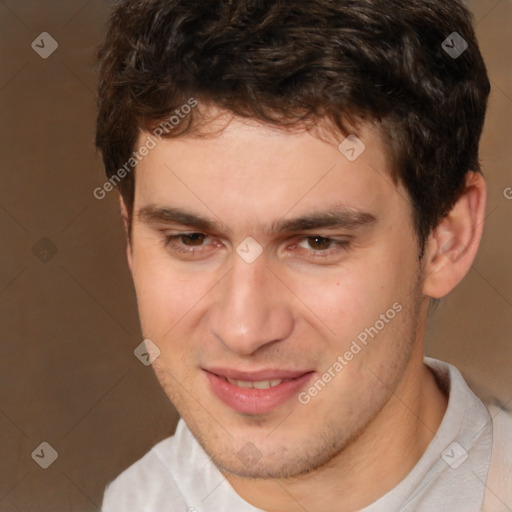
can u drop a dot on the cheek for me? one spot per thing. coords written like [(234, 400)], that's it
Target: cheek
[(165, 296), (347, 300), (350, 298)]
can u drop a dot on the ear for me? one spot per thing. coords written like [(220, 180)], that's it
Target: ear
[(453, 244), (126, 224)]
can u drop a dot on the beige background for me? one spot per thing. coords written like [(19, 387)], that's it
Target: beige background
[(69, 325)]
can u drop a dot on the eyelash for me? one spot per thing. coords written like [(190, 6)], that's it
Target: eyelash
[(337, 246)]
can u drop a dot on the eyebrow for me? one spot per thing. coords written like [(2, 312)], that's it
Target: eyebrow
[(339, 218), (173, 215), (342, 217)]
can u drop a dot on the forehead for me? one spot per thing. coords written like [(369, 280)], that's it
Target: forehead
[(252, 172)]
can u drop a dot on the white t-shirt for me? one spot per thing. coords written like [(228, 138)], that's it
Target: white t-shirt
[(466, 468)]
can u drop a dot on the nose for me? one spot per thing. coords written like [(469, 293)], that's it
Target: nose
[(251, 308)]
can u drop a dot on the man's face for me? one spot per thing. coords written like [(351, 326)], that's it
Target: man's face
[(216, 307)]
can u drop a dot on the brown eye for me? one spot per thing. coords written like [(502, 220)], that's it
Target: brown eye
[(193, 239), (319, 243)]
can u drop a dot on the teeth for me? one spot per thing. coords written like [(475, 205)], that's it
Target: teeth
[(262, 384)]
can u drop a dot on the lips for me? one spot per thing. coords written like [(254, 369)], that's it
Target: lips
[(256, 392)]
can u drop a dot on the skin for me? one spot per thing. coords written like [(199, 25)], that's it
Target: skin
[(298, 306)]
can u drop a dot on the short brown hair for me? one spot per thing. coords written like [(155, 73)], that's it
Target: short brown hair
[(293, 62)]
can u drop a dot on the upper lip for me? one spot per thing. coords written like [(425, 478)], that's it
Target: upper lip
[(257, 375)]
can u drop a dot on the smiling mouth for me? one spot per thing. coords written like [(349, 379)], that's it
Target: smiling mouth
[(257, 392)]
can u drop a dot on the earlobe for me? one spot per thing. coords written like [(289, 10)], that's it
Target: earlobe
[(453, 243)]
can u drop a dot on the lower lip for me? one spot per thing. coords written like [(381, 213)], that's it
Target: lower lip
[(256, 401)]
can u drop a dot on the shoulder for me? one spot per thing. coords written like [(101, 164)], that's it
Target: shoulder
[(147, 485), (502, 430), (499, 480)]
